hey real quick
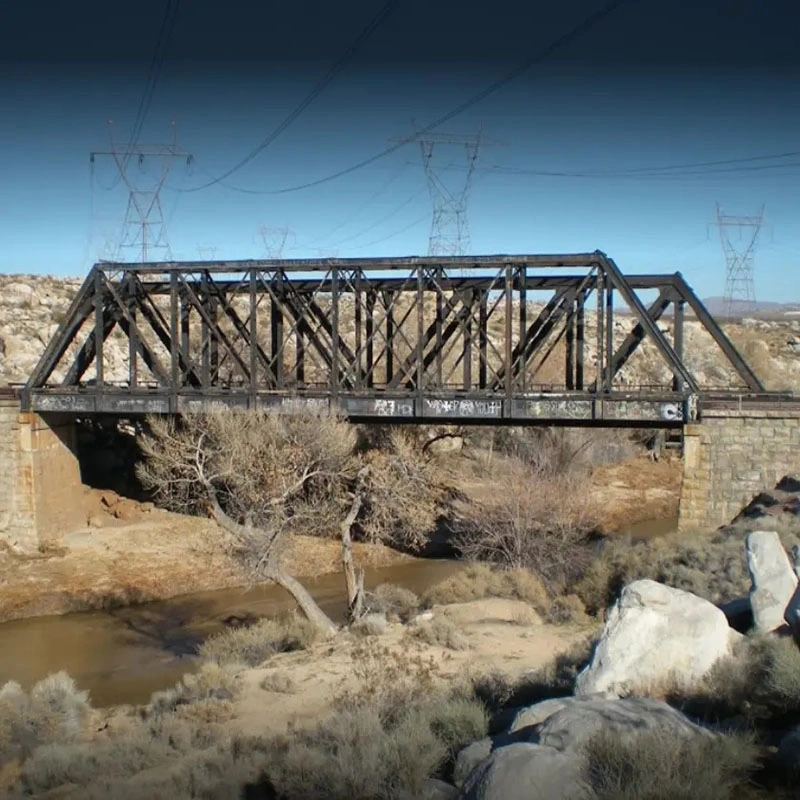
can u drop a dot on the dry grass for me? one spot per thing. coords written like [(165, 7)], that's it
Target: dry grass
[(497, 691), (396, 602), (386, 738), (441, 632), (760, 683), (173, 759), (370, 625), (712, 567), (254, 644), (566, 610), (656, 765), (213, 682), (280, 682), (54, 711), (477, 581)]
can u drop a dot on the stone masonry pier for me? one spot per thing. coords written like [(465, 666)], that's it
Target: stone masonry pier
[(40, 479), (731, 456)]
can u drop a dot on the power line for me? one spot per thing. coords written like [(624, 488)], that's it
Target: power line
[(337, 67), (542, 55), (153, 74), (393, 213), (374, 196), (648, 173), (395, 233), (156, 65)]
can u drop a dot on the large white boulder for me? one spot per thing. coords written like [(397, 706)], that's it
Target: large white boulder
[(773, 579), (654, 636)]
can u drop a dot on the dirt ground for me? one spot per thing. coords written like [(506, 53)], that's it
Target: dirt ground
[(133, 552), (502, 635), (636, 491)]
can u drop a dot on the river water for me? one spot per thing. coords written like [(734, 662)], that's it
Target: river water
[(123, 656)]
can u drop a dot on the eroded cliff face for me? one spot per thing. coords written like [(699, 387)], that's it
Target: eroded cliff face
[(32, 307)]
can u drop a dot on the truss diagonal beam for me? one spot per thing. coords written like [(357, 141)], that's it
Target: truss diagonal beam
[(637, 334)]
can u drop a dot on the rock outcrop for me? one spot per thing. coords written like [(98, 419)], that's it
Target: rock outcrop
[(527, 772), (656, 635), (547, 760), (773, 579)]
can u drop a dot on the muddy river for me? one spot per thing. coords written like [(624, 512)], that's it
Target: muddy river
[(123, 656)]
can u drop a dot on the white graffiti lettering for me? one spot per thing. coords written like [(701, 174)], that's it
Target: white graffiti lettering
[(464, 408)]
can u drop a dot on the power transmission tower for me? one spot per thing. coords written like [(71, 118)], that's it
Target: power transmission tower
[(207, 252), (144, 228), (740, 293), (274, 240), (449, 235)]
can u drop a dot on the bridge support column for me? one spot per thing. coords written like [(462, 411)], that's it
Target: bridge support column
[(41, 495), (730, 457)]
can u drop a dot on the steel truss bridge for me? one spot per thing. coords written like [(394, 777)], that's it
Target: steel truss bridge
[(422, 339)]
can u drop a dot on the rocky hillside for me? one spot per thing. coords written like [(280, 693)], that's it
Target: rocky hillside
[(32, 307)]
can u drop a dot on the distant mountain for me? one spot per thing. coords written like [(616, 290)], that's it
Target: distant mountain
[(761, 309)]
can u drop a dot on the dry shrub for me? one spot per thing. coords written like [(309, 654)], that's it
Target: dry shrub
[(478, 581), (213, 682), (713, 567), (54, 711), (441, 632), (206, 712), (254, 644), (156, 742), (531, 520), (760, 682), (657, 765), (498, 691), (396, 602), (382, 742), (279, 682), (403, 495), (279, 472), (559, 451), (566, 609), (370, 625)]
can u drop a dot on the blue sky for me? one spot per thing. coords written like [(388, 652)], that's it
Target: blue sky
[(615, 100)]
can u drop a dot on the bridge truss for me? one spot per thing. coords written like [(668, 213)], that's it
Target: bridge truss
[(523, 339)]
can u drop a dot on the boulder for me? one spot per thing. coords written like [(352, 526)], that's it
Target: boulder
[(527, 772), (432, 789), (655, 635), (570, 728), (469, 757), (539, 712), (789, 751), (792, 613), (773, 579)]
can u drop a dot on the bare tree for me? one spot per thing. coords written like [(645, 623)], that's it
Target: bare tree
[(532, 519), (264, 476)]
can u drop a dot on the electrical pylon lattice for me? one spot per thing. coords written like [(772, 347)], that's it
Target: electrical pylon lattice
[(144, 228), (740, 293), (274, 240)]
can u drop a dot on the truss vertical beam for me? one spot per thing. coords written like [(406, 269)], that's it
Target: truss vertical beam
[(580, 335)]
